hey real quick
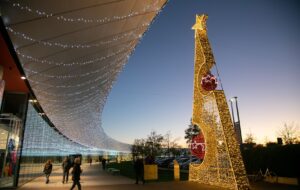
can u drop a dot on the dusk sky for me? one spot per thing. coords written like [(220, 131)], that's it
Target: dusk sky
[(256, 45)]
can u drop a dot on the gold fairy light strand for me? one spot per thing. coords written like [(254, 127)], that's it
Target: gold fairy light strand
[(148, 9), (78, 46)]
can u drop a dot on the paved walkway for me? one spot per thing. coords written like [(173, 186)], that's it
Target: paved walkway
[(93, 178)]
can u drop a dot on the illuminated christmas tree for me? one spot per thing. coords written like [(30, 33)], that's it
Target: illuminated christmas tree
[(222, 164)]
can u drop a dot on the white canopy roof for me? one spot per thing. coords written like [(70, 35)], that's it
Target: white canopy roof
[(72, 52)]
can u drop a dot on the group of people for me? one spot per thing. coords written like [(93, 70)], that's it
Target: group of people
[(76, 171), (66, 166)]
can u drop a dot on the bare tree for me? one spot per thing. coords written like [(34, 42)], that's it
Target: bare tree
[(138, 148), (167, 142), (266, 140), (175, 147), (154, 143), (250, 139), (149, 146), (289, 133), (171, 146)]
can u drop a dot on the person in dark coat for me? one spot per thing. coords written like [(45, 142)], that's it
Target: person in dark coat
[(90, 161), (139, 171), (103, 163), (48, 170), (66, 165), (76, 172)]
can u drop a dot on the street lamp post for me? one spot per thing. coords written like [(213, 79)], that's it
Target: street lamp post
[(237, 109), (232, 113), (237, 124)]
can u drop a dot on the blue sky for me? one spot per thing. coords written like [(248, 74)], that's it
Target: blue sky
[(256, 45)]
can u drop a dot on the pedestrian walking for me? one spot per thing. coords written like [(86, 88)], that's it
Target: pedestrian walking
[(139, 171), (76, 172), (48, 170), (66, 165), (103, 163), (90, 161)]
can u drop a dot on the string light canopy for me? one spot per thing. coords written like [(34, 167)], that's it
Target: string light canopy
[(72, 53)]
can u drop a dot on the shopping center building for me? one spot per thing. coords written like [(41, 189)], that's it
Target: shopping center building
[(59, 61)]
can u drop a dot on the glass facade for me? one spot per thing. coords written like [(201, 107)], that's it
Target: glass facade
[(13, 111), (41, 143), (10, 132), (23, 160)]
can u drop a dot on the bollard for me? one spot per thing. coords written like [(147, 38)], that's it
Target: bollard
[(176, 171)]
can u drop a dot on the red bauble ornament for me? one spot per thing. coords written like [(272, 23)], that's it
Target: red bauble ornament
[(209, 82), (198, 146)]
